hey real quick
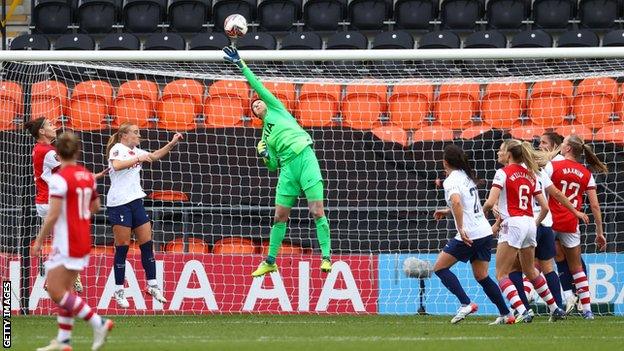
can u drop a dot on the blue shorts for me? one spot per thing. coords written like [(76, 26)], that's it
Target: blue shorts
[(131, 215), (481, 249), (545, 249)]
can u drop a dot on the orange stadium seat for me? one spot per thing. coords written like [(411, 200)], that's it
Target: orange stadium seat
[(168, 195), (527, 132), (594, 102), (285, 249), (578, 129), (474, 131), (613, 133), (135, 103), (285, 92), (457, 104), (503, 104), (409, 105), (619, 105), (363, 105), (549, 102), (89, 104), (10, 104), (391, 133), (180, 104), (433, 133), (48, 99), (194, 245), (227, 103), (318, 104), (234, 246)]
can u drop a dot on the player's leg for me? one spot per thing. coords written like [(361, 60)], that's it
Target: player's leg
[(565, 278), (505, 258), (544, 253), (278, 232), (454, 251), (517, 278), (571, 244), (121, 235), (142, 228), (60, 281)]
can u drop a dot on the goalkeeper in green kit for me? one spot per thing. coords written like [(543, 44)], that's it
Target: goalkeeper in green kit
[(287, 147)]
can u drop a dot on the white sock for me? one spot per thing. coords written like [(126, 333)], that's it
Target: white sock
[(152, 282)]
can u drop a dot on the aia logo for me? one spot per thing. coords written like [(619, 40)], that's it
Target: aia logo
[(266, 133)]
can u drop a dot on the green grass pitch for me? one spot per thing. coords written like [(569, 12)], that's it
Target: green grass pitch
[(324, 332)]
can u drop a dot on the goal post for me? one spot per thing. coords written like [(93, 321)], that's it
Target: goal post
[(379, 120)]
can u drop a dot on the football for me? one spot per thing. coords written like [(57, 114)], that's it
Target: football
[(235, 26), (416, 268)]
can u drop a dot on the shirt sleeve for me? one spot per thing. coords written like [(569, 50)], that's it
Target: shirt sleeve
[(538, 186), (545, 180), (499, 179), (51, 164), (548, 169), (57, 186), (140, 152), (118, 152), (592, 182), (451, 187)]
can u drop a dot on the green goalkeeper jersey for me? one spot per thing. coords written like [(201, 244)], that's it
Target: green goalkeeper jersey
[(280, 131)]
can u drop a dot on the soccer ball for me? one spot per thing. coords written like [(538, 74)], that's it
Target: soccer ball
[(235, 26), (416, 268)]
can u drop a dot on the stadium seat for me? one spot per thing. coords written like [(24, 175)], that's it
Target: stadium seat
[(598, 14), (89, 105), (487, 39), (613, 38), (507, 14), (577, 129), (503, 104), (227, 102), (410, 105), (51, 16), (164, 41), (457, 104), (363, 105), (367, 14), (208, 41), (103, 250), (619, 106), (392, 134), (461, 14), (594, 102), (285, 250), (48, 99), (439, 40), (190, 245), (234, 246), (180, 104), (553, 14), (347, 40), (143, 16), (135, 103), (433, 133), (532, 39), (74, 42), (613, 133), (285, 92), (549, 102), (168, 196), (527, 132), (302, 41), (223, 8), (188, 16), (97, 16), (324, 15), (578, 38), (318, 104), (10, 104), (120, 41), (474, 131), (257, 41), (278, 15), (30, 42), (415, 14), (393, 40)]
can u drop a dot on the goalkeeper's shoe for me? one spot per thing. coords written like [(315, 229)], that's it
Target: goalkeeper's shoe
[(56, 345), (155, 291), (120, 298), (78, 285), (100, 333), (326, 266), (264, 268)]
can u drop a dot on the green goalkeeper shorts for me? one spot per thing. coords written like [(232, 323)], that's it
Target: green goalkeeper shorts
[(301, 174)]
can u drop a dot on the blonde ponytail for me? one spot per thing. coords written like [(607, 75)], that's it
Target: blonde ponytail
[(116, 138), (528, 157)]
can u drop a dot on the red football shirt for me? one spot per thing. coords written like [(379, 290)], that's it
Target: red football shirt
[(518, 187), (45, 163)]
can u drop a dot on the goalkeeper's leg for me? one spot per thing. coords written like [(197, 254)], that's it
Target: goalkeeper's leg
[(314, 194), (278, 232)]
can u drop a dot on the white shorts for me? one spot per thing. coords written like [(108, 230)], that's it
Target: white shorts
[(42, 210), (71, 263), (569, 240), (518, 232)]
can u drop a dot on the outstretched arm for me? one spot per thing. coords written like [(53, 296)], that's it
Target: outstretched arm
[(162, 152)]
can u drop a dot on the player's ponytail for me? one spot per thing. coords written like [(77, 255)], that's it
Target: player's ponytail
[(578, 147), (34, 126), (457, 158), (522, 152), (116, 138), (67, 146)]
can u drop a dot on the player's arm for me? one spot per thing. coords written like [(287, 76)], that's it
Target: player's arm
[(544, 209), (491, 200), (265, 153), (558, 195), (601, 241), (441, 213), (119, 165), (94, 206), (162, 152)]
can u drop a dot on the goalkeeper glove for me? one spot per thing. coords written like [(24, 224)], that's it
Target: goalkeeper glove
[(263, 151), (232, 56)]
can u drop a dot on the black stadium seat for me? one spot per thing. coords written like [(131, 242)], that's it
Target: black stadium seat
[(553, 14), (461, 14), (30, 42), (367, 14), (507, 14), (188, 16), (143, 16), (598, 14), (532, 39), (257, 41), (97, 16), (614, 38), (74, 42), (120, 41), (347, 40), (487, 39), (223, 8), (393, 40), (302, 41), (578, 38), (415, 14), (164, 41), (51, 16), (278, 15), (439, 40), (209, 41), (323, 14)]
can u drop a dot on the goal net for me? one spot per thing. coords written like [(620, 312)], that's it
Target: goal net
[(379, 121)]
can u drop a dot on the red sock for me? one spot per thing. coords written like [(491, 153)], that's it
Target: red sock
[(510, 292)]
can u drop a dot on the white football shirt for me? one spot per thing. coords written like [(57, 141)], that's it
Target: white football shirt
[(126, 183), (475, 223), (543, 181)]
